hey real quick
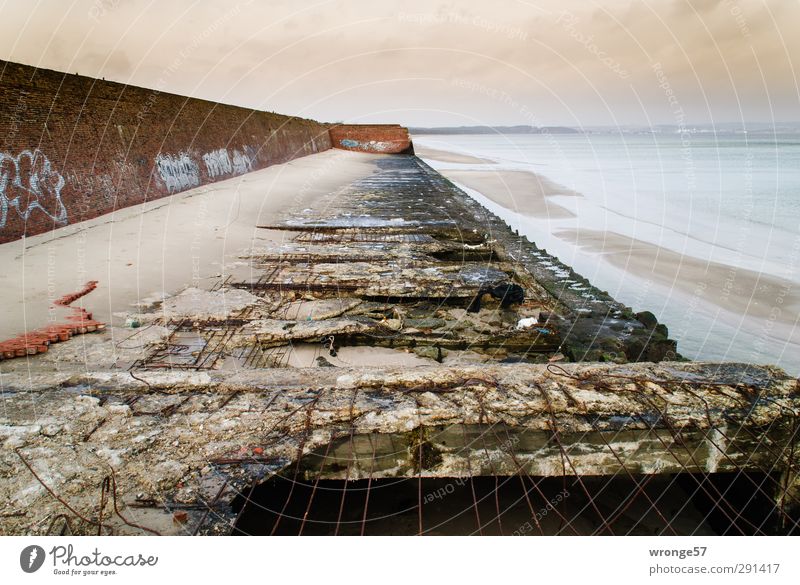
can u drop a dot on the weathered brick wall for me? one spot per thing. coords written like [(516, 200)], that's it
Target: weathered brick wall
[(73, 148), (385, 138)]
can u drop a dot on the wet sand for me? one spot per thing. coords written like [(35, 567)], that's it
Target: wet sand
[(737, 290), (760, 312), (139, 254), (520, 191), (449, 157)]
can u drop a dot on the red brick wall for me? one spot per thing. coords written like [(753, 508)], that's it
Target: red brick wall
[(385, 138), (73, 148)]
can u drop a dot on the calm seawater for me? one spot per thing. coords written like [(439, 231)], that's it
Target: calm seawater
[(730, 199)]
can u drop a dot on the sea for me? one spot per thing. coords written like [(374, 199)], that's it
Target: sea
[(730, 199)]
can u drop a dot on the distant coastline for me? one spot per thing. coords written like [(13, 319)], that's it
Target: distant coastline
[(495, 130), (723, 128)]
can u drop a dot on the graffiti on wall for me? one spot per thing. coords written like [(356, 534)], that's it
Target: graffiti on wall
[(242, 163), (219, 162), (29, 182), (179, 172), (370, 146)]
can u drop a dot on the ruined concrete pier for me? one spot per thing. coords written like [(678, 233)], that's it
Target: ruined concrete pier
[(400, 332)]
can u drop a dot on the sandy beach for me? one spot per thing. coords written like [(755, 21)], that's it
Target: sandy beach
[(141, 253), (520, 191), (449, 157), (737, 290), (761, 308)]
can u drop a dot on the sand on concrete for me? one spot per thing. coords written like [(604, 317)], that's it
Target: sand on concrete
[(449, 157), (304, 355), (142, 253), (521, 191)]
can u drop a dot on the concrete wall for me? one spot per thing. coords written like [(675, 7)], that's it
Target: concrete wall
[(73, 147), (385, 138)]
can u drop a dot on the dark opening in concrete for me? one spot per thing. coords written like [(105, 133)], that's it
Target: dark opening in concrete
[(511, 505)]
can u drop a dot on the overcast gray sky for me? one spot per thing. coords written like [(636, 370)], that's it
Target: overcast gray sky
[(430, 62)]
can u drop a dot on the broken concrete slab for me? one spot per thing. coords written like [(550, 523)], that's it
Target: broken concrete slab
[(165, 435)]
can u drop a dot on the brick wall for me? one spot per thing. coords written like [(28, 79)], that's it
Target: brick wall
[(385, 138), (73, 147)]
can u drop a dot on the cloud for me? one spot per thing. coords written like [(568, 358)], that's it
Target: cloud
[(570, 61)]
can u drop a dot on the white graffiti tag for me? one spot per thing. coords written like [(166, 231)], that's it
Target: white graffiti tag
[(28, 182), (178, 172), (241, 163), (217, 163)]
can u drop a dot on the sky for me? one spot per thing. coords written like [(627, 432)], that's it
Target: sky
[(435, 63)]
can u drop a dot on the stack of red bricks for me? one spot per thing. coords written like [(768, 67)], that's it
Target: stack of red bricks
[(38, 341)]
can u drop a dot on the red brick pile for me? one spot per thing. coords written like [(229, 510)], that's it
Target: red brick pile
[(37, 341)]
